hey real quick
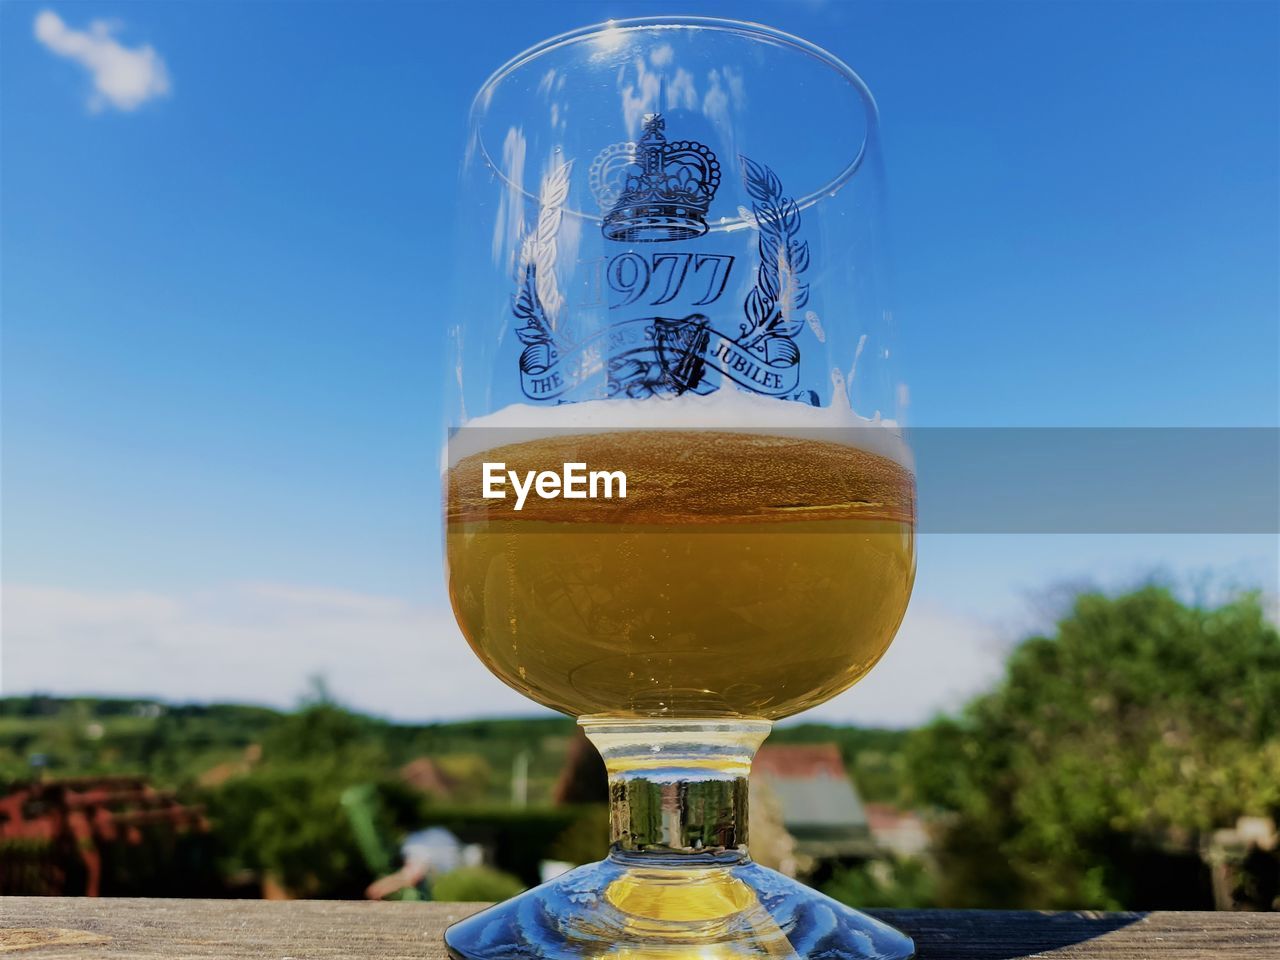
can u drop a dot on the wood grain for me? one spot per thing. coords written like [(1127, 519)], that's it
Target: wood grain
[(33, 928)]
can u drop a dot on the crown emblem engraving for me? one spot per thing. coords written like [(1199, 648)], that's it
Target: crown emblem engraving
[(655, 189)]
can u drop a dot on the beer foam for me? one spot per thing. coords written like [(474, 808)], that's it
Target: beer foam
[(725, 409)]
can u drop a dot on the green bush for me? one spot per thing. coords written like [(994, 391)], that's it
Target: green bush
[(29, 867), (289, 823), (586, 840), (1086, 778), (900, 884), (475, 883)]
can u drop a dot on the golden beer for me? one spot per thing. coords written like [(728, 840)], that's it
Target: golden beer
[(743, 575)]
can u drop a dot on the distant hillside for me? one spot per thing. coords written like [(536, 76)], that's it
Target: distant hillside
[(178, 744)]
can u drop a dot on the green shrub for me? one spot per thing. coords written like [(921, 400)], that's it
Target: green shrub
[(1138, 725), (900, 884), (586, 839), (475, 883)]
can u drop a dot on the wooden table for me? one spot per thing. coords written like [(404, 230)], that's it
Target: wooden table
[(80, 929)]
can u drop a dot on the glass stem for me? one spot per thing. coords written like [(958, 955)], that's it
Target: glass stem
[(677, 788)]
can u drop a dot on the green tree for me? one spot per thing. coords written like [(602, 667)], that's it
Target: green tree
[(1111, 745), (469, 773), (475, 883), (898, 885), (285, 820)]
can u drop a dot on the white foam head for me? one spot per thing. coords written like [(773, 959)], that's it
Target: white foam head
[(724, 409)]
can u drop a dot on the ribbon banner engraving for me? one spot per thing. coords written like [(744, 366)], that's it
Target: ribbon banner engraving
[(650, 355)]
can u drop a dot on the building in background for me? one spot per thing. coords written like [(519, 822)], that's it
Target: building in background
[(900, 832), (425, 775), (818, 805), (583, 778)]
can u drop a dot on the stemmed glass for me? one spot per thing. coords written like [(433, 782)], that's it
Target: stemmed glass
[(678, 503)]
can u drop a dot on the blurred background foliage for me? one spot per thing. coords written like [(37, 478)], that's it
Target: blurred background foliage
[(1095, 773), (1111, 748)]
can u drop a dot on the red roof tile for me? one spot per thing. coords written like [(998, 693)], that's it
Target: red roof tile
[(800, 761)]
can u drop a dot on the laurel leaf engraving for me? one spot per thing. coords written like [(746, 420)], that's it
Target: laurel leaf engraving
[(756, 311), (528, 307), (768, 280), (773, 306), (790, 218), (787, 326), (798, 253), (551, 198), (756, 178)]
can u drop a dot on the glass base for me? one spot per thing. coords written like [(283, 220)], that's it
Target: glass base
[(622, 908)]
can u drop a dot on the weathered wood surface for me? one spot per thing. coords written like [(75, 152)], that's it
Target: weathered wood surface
[(78, 929)]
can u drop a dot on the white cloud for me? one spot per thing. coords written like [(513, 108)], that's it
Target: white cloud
[(254, 642), (681, 91), (938, 661), (123, 78), (260, 642), (639, 97), (508, 225), (663, 55), (715, 104)]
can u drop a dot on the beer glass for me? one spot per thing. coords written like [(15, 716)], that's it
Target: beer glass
[(678, 502)]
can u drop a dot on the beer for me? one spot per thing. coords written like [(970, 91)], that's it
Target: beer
[(744, 575)]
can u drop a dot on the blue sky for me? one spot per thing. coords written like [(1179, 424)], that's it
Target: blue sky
[(221, 285)]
